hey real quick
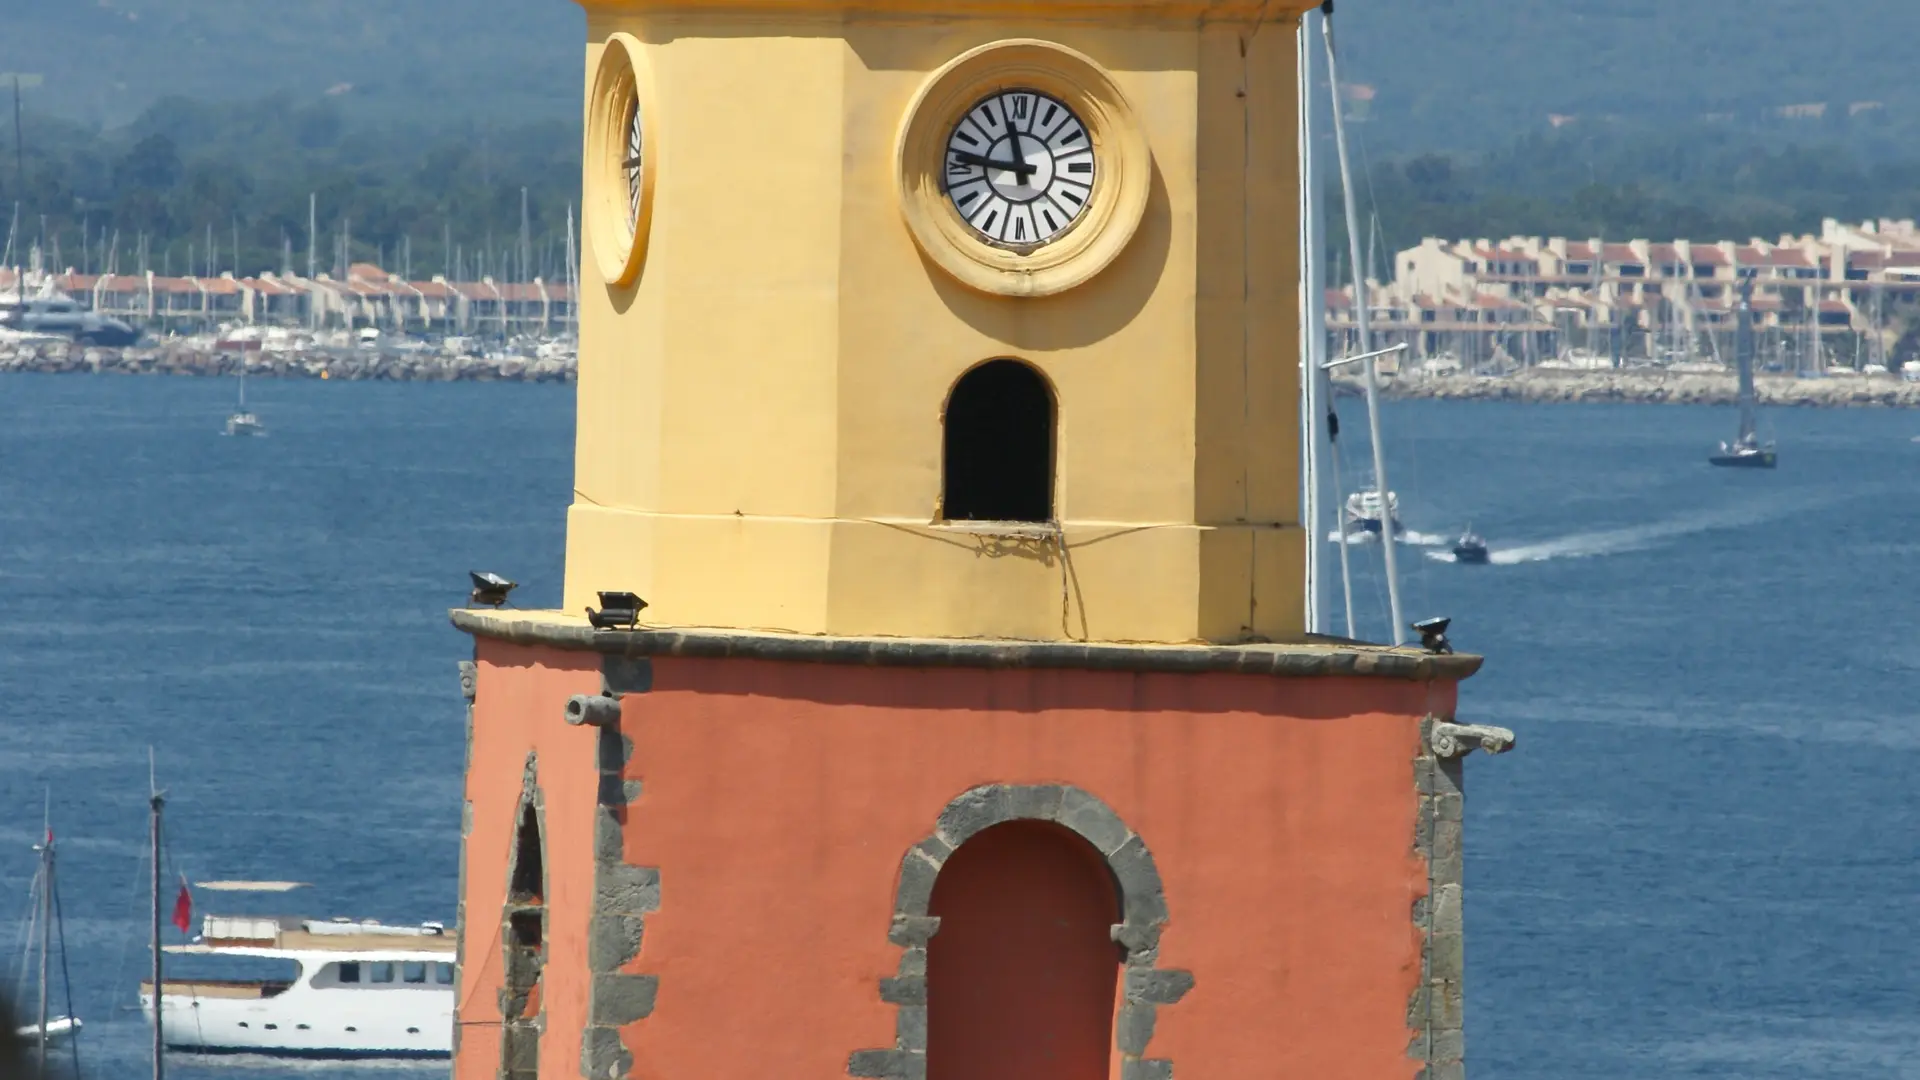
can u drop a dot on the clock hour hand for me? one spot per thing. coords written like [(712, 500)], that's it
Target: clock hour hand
[(1019, 168)]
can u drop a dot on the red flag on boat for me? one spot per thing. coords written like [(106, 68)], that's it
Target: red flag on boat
[(183, 908)]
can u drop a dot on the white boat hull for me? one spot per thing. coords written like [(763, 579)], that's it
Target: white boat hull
[(301, 1022), (58, 1027)]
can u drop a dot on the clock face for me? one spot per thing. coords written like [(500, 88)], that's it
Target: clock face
[(632, 161), (1019, 168)]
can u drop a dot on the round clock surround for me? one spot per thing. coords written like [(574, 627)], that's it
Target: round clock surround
[(622, 160), (1022, 206)]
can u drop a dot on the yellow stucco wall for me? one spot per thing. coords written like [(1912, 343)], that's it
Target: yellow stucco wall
[(760, 412)]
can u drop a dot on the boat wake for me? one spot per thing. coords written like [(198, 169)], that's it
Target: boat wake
[(1587, 545), (1407, 538)]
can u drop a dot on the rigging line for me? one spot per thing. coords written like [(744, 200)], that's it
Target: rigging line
[(66, 977), (494, 947), (1421, 571), (126, 943), (23, 941)]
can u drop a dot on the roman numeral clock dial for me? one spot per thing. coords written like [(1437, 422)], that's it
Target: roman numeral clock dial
[(1019, 168)]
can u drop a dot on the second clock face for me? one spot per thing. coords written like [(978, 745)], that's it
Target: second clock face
[(632, 162), (1019, 168)]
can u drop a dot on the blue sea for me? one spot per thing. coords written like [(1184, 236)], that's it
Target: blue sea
[(1700, 860)]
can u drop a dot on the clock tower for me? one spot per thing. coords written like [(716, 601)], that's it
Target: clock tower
[(942, 706)]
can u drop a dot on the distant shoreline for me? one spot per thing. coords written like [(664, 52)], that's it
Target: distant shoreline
[(1541, 387), (1644, 387), (350, 365)]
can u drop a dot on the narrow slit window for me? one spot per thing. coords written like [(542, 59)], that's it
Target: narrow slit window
[(527, 870)]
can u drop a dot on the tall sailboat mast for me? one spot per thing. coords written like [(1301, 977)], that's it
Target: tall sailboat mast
[(1743, 356), (156, 801), (46, 930), (1313, 338), (1364, 337)]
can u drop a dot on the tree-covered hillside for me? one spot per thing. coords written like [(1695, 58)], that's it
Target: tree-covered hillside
[(415, 123), (106, 61), (1447, 74), (1474, 73)]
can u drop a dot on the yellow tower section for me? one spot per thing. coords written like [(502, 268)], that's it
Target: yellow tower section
[(969, 319)]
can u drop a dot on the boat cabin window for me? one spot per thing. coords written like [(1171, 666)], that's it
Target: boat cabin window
[(382, 974)]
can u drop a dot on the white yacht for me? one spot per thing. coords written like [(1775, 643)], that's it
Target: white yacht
[(54, 314), (345, 990), (1364, 512)]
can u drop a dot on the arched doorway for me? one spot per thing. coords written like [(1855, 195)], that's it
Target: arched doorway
[(999, 445), (1021, 977)]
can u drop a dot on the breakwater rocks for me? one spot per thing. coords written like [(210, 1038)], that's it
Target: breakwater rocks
[(1650, 387), (419, 365)]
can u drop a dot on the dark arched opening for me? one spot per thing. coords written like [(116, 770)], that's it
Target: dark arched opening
[(999, 445), (1021, 977), (525, 949)]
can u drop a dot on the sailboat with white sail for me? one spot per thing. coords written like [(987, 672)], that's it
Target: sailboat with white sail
[(1746, 451), (243, 421), (45, 934)]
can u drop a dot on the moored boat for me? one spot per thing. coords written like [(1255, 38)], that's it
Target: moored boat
[(245, 423), (1746, 451), (345, 989)]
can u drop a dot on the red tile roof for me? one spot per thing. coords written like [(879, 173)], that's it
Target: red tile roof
[(1753, 256), (1876, 260)]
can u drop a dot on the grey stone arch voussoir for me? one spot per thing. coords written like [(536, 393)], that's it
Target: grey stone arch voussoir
[(1143, 914)]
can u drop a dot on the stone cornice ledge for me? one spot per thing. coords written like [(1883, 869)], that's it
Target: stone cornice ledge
[(1337, 659)]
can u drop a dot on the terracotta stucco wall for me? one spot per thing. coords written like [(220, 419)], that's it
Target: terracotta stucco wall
[(777, 800), (517, 712)]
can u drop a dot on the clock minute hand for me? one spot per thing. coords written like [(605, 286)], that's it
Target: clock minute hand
[(1019, 168)]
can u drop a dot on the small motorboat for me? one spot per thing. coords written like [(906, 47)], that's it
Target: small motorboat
[(1470, 548)]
